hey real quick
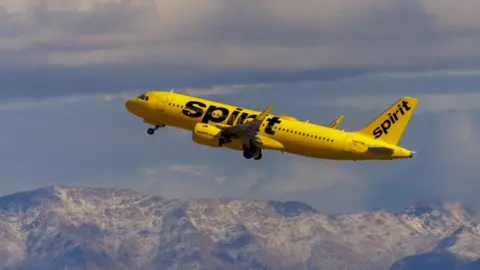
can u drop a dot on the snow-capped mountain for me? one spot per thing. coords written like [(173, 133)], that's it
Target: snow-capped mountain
[(86, 228)]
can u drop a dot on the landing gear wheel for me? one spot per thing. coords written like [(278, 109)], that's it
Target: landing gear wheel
[(151, 131), (252, 151), (247, 154)]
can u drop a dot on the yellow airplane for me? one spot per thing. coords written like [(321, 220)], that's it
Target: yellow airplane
[(217, 125)]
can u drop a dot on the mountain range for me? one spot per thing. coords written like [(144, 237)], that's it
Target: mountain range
[(105, 228)]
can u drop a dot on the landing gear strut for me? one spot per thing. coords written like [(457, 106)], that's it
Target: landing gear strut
[(151, 131), (252, 152)]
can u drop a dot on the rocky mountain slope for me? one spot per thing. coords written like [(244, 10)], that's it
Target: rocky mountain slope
[(86, 228)]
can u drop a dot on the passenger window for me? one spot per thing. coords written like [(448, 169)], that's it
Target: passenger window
[(240, 119)]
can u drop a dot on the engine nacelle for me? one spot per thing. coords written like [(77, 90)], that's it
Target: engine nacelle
[(206, 134)]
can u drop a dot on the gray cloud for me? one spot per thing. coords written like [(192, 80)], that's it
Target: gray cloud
[(93, 141), (428, 103), (444, 168), (111, 49), (114, 45)]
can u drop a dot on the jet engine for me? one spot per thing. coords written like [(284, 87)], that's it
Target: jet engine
[(208, 135)]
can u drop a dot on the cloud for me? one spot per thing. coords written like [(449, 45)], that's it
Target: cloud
[(178, 180), (194, 170), (453, 157), (438, 73), (37, 103), (308, 174), (112, 46), (452, 16), (91, 142), (329, 186), (298, 179), (444, 168), (30, 104), (223, 89), (428, 103)]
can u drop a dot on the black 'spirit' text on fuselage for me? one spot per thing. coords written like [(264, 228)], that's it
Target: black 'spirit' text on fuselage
[(197, 109)]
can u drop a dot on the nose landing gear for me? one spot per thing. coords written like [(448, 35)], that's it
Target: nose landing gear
[(151, 131)]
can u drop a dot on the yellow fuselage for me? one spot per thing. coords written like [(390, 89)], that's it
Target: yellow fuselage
[(294, 136)]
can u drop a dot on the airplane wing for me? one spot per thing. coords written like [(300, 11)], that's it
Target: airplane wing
[(337, 121), (245, 131)]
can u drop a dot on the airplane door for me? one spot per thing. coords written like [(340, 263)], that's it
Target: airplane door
[(348, 145), (163, 104)]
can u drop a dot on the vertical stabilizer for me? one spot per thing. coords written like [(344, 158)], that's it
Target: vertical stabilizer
[(391, 124)]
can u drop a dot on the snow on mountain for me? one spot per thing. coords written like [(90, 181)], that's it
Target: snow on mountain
[(87, 228)]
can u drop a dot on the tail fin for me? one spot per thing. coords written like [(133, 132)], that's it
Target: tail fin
[(389, 126)]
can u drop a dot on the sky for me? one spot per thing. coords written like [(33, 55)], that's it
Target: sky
[(68, 66)]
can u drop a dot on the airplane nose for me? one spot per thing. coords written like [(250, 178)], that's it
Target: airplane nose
[(131, 106)]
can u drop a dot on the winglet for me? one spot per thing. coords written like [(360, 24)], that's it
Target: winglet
[(264, 114), (337, 121)]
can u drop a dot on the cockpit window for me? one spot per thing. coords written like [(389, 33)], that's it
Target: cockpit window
[(143, 96)]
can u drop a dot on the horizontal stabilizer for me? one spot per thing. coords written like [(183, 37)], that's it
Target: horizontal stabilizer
[(380, 150)]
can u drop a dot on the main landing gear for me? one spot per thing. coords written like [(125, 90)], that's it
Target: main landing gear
[(252, 151), (151, 131)]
